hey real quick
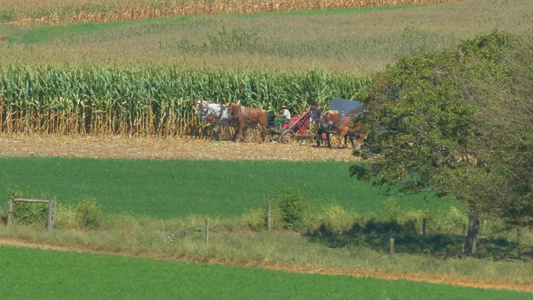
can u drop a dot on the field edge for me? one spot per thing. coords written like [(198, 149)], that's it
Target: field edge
[(447, 279)]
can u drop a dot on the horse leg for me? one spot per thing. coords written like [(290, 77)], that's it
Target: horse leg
[(217, 133), (264, 134), (362, 139), (206, 130), (242, 131), (346, 140), (356, 137), (327, 138), (235, 132), (228, 130), (347, 136), (342, 136)]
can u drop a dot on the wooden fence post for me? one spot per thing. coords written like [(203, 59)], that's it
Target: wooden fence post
[(423, 244), (10, 212), (50, 219), (268, 218), (391, 244), (464, 240), (206, 234), (424, 228)]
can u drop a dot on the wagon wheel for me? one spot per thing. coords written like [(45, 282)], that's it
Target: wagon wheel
[(287, 136)]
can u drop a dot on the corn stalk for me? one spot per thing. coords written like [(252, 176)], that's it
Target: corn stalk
[(95, 100)]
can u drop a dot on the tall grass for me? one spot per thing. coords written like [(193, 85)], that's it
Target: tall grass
[(233, 241), (328, 236)]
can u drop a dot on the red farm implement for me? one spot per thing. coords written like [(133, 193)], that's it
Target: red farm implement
[(296, 129)]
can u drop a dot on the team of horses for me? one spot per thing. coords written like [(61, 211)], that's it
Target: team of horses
[(333, 122), (241, 118)]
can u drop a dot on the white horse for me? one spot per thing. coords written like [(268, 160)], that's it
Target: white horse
[(213, 114)]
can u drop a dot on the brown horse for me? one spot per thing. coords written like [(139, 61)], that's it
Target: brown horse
[(242, 116), (346, 127)]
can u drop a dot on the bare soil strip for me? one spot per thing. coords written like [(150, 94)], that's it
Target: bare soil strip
[(420, 277), (23, 145)]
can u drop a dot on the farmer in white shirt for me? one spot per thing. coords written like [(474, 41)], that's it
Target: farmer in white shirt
[(285, 114)]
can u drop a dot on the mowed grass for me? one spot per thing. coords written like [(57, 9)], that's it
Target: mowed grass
[(177, 188), (45, 274)]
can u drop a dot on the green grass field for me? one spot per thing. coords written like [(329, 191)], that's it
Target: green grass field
[(45, 274), (176, 188)]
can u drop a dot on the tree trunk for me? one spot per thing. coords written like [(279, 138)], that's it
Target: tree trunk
[(518, 238), (471, 238)]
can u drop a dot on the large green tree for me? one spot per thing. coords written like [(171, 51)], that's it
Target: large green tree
[(430, 126), (505, 124)]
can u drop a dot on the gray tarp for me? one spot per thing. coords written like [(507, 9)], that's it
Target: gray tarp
[(347, 107)]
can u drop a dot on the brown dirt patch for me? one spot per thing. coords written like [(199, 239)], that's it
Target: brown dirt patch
[(420, 277), (23, 145)]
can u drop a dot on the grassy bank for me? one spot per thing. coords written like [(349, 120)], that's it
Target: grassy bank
[(303, 236), (234, 242)]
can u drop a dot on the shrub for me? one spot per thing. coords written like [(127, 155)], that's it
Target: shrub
[(88, 214), (255, 219), (336, 220), (65, 217), (391, 210), (292, 206)]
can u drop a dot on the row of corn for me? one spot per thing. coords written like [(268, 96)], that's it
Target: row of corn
[(97, 100), (143, 9)]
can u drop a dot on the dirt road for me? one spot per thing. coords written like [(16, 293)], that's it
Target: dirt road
[(165, 148)]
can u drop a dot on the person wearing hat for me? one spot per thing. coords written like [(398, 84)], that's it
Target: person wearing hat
[(285, 114)]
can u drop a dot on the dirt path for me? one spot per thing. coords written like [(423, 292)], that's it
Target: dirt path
[(420, 277), (166, 148)]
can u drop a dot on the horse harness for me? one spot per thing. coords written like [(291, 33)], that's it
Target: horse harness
[(335, 125), (208, 111), (242, 110)]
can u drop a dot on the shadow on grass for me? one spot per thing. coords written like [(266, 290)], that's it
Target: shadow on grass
[(377, 234)]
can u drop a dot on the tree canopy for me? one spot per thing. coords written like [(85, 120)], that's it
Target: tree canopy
[(457, 122)]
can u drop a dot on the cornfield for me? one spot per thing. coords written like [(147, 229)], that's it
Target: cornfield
[(160, 102), (20, 13)]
